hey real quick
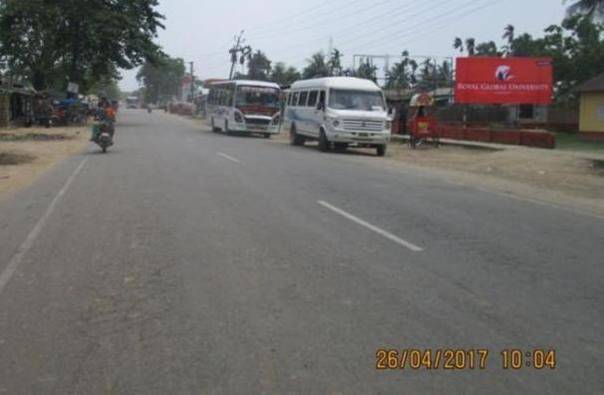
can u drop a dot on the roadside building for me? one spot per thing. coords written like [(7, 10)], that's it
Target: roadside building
[(591, 119)]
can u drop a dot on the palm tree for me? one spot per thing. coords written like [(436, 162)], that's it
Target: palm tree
[(335, 63), (458, 44), (508, 34), (590, 8), (471, 46), (317, 66)]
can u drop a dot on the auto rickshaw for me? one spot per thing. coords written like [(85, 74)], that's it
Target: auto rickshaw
[(422, 123)]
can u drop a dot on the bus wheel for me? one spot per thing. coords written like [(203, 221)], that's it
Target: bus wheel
[(214, 128), (323, 142), (267, 135), (295, 138), (381, 150)]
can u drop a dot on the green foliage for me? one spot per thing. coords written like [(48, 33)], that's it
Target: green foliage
[(317, 67), (259, 67), (108, 87), (161, 79), (402, 74), (52, 42), (284, 75), (487, 49), (334, 64), (593, 9), (367, 70)]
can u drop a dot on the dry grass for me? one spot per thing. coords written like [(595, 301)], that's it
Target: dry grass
[(30, 152)]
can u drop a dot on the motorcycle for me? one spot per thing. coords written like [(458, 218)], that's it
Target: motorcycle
[(104, 141), (103, 135)]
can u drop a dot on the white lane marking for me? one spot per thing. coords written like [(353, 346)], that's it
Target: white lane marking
[(11, 268), (227, 157), (374, 228)]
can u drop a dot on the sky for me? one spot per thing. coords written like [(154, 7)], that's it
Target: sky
[(291, 31)]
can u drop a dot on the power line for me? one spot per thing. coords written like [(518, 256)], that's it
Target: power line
[(320, 21), (293, 46), (447, 16), (288, 20)]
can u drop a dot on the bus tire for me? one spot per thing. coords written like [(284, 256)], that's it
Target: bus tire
[(295, 138), (267, 135), (381, 150), (323, 142), (214, 128)]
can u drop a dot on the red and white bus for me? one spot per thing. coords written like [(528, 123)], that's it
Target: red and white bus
[(244, 106)]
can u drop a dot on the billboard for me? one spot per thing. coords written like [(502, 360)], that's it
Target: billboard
[(486, 80)]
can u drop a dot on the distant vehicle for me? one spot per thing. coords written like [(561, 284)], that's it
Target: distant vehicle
[(132, 102), (338, 112), (244, 106)]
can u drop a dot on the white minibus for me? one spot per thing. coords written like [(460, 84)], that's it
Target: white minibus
[(338, 112)]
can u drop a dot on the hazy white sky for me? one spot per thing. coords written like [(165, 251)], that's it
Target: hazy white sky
[(292, 30)]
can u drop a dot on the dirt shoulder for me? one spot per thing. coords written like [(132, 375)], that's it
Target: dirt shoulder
[(26, 153)]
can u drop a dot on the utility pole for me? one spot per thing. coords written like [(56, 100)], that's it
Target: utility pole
[(239, 49)]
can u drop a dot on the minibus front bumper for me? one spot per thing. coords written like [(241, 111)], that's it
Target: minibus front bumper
[(361, 138), (261, 129)]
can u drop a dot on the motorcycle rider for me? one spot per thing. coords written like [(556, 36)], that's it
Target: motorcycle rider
[(106, 116)]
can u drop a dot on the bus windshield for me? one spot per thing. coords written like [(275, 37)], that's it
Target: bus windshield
[(340, 99), (257, 96)]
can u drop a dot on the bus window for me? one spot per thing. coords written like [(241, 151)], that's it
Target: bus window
[(295, 99), (303, 97), (312, 99), (322, 99)]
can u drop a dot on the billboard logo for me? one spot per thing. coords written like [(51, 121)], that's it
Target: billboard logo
[(504, 73)]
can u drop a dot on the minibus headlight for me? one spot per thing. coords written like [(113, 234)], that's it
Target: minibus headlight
[(335, 123), (388, 125), (238, 117), (276, 119)]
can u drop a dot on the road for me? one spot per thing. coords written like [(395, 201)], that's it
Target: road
[(187, 262)]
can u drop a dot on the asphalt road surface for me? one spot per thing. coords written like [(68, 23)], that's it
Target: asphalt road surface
[(186, 262)]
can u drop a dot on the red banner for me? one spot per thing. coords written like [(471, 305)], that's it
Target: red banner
[(482, 80)]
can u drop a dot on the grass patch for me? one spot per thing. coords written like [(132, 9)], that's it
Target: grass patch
[(572, 142), (13, 137)]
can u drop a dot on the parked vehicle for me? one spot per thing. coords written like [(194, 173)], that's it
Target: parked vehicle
[(338, 112), (243, 106), (422, 122)]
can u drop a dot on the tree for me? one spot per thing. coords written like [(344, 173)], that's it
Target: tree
[(107, 87), (458, 44), (259, 67), (161, 79), (593, 9), (402, 74), (335, 63), (284, 75), (445, 74), (52, 42), (508, 35), (471, 46), (367, 70), (488, 48), (317, 66)]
